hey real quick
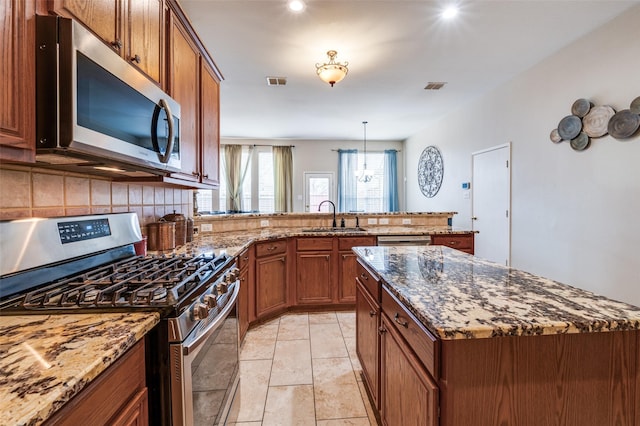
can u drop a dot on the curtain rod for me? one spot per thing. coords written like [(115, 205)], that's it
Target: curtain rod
[(396, 150), (254, 144)]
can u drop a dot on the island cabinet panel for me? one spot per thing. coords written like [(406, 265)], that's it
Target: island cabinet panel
[(462, 242), (368, 340), (17, 81), (421, 341), (271, 289), (118, 396), (568, 379), (408, 394)]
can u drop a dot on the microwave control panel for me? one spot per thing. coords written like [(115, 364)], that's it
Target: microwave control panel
[(80, 230)]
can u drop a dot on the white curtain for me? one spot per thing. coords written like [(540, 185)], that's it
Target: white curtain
[(235, 175), (347, 181)]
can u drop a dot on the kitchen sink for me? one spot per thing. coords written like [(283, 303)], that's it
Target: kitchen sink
[(337, 229)]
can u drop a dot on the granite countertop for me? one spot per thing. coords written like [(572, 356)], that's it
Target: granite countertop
[(459, 296), (233, 242), (45, 360)]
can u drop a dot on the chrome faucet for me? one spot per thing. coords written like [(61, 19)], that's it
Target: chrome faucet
[(335, 225)]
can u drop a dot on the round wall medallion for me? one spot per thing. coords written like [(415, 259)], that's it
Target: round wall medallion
[(430, 171)]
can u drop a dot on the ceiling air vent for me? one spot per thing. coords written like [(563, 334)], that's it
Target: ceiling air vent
[(276, 81), (435, 85)]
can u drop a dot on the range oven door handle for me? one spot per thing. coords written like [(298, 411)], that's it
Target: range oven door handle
[(190, 345), (162, 105)]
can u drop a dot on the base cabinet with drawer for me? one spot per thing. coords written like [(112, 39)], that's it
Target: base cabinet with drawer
[(462, 242), (271, 287), (314, 270)]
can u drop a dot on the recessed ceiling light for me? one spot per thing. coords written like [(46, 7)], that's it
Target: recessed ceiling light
[(296, 5), (450, 12)]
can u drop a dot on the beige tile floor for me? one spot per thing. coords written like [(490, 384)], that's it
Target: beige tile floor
[(301, 369)]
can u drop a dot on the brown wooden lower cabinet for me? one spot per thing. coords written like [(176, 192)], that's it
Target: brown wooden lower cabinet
[(462, 242), (271, 286), (368, 340), (408, 394), (118, 396)]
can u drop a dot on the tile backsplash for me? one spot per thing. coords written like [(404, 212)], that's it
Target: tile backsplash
[(32, 192)]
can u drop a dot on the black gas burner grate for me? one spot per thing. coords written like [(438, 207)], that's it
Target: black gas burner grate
[(136, 282)]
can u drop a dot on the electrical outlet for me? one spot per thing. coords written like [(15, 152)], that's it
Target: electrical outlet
[(384, 221), (406, 221), (206, 227), (372, 221), (264, 223)]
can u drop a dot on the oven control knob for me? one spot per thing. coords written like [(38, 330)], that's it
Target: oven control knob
[(211, 300), (222, 287), (199, 312)]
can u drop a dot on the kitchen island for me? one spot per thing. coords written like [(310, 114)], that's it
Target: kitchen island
[(466, 341), (47, 360)]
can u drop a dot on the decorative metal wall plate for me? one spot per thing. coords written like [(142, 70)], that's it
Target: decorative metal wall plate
[(430, 171)]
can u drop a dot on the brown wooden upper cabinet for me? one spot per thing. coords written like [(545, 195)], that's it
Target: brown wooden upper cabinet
[(133, 28), (184, 63), (209, 124), (17, 81)]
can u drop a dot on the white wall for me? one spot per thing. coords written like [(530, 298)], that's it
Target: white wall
[(320, 156), (575, 215)]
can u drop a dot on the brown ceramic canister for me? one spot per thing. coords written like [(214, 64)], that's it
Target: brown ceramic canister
[(161, 236), (181, 227)]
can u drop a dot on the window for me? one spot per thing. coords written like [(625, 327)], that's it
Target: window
[(369, 196), (257, 194), (379, 194)]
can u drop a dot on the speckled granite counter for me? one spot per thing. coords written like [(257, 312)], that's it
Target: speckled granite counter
[(458, 296), (45, 360), (233, 242)]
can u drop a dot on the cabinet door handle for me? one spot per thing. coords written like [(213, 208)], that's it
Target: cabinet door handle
[(397, 319), (282, 259), (364, 277), (327, 257), (196, 174), (381, 329), (117, 44), (135, 58), (245, 258), (344, 256), (372, 313)]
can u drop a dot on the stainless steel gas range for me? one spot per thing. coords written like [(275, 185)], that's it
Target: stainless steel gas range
[(88, 264)]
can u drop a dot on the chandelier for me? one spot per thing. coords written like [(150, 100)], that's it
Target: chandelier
[(332, 71), (365, 175)]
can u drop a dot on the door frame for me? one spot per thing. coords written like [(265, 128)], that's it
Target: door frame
[(332, 186), (482, 151)]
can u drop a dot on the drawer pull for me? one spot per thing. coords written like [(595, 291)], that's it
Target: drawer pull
[(382, 330), (245, 258), (364, 276), (372, 313), (271, 248), (453, 243), (397, 319)]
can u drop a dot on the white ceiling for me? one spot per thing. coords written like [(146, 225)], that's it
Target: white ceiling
[(394, 48)]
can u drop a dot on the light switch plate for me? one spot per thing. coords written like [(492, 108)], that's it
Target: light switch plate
[(372, 221), (406, 221), (206, 227), (384, 221)]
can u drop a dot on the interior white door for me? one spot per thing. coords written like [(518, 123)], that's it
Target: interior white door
[(318, 186), (491, 206)]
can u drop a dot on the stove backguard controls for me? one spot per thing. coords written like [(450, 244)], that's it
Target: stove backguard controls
[(80, 230)]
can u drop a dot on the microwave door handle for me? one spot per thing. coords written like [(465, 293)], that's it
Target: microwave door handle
[(154, 132)]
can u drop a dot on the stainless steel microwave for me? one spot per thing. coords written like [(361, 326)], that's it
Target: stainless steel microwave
[(95, 110)]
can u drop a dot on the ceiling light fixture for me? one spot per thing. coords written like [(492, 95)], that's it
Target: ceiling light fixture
[(450, 12), (296, 6), (332, 71), (365, 175)]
